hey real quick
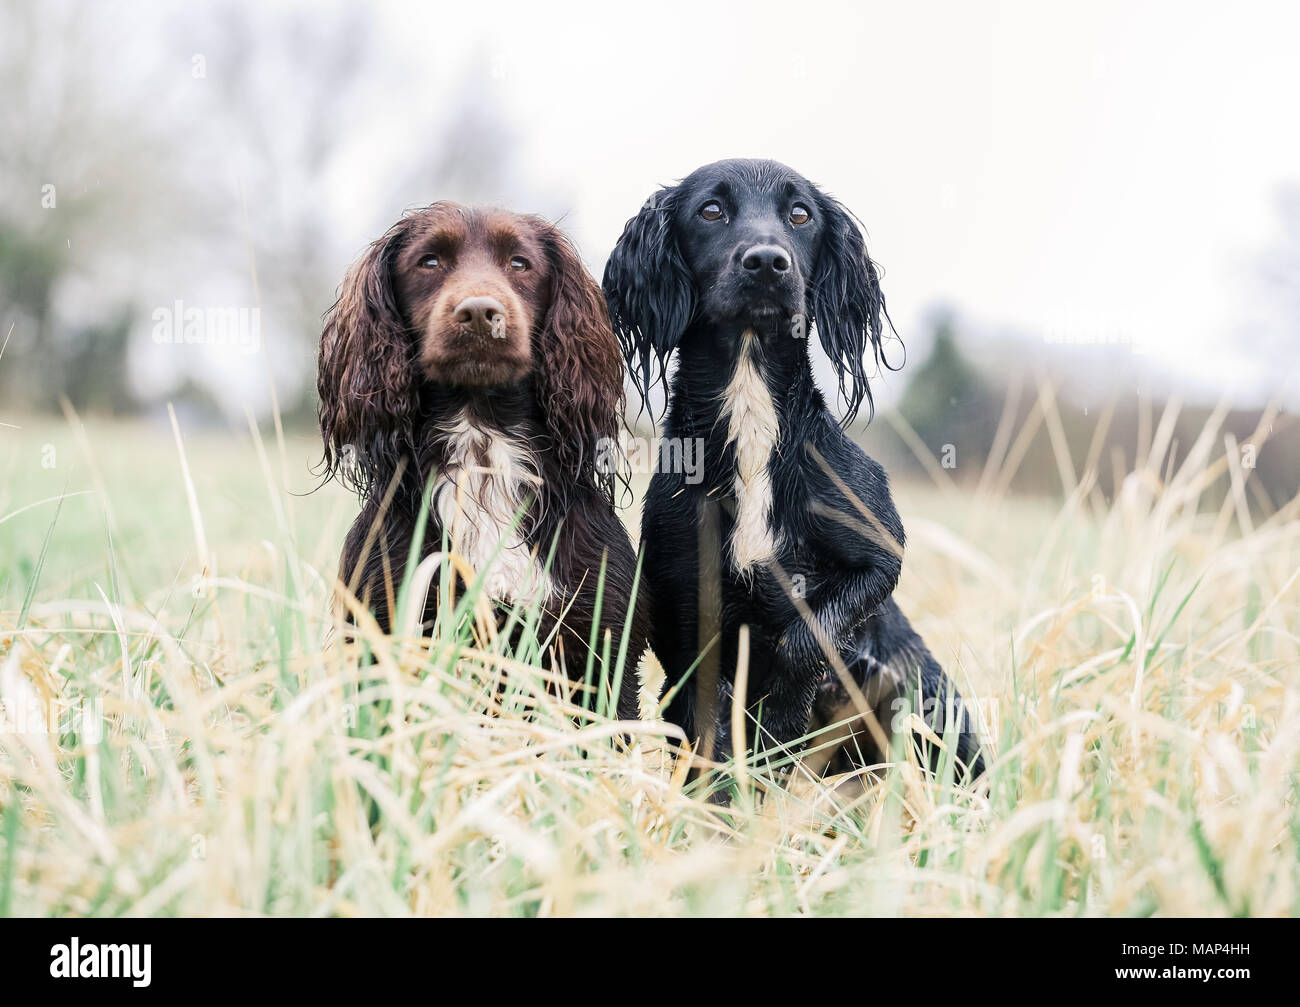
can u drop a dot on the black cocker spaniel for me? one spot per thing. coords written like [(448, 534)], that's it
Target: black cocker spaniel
[(792, 532)]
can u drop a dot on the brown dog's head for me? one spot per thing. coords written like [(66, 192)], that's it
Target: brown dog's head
[(473, 285), (471, 298)]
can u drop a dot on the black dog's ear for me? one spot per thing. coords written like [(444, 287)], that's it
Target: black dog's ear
[(649, 291), (846, 304)]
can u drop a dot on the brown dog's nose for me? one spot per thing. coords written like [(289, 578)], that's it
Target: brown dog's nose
[(767, 262), (485, 315)]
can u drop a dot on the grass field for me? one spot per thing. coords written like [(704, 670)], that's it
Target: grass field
[(181, 735)]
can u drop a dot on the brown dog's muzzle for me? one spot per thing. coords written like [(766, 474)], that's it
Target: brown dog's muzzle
[(484, 315), (478, 336)]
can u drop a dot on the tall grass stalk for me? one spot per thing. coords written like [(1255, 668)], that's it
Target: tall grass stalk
[(187, 732)]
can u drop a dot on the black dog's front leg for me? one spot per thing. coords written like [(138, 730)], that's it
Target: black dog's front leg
[(822, 624)]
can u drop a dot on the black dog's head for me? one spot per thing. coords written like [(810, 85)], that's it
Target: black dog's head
[(752, 243)]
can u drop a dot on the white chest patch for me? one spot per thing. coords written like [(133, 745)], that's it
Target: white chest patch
[(484, 480), (752, 427)]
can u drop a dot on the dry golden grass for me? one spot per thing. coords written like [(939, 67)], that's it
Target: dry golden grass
[(210, 753)]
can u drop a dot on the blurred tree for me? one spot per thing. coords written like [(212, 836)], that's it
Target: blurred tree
[(78, 183), (94, 364), (946, 394), (241, 162), (282, 84)]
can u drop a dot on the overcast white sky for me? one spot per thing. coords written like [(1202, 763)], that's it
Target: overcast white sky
[(1068, 169), (1079, 170)]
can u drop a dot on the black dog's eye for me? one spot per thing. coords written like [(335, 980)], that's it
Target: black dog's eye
[(519, 263), (799, 214), (711, 211), (430, 262)]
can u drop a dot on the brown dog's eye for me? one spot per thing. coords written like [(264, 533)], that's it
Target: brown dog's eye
[(430, 262), (711, 211), (519, 263), (799, 214)]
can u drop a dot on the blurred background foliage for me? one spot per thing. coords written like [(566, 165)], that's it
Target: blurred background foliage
[(117, 200)]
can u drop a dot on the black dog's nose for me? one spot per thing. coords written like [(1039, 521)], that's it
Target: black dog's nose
[(767, 262), (482, 314)]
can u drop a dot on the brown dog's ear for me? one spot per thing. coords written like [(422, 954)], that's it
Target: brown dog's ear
[(580, 372), (368, 398)]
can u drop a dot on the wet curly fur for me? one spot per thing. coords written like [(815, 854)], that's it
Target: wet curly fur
[(517, 402)]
